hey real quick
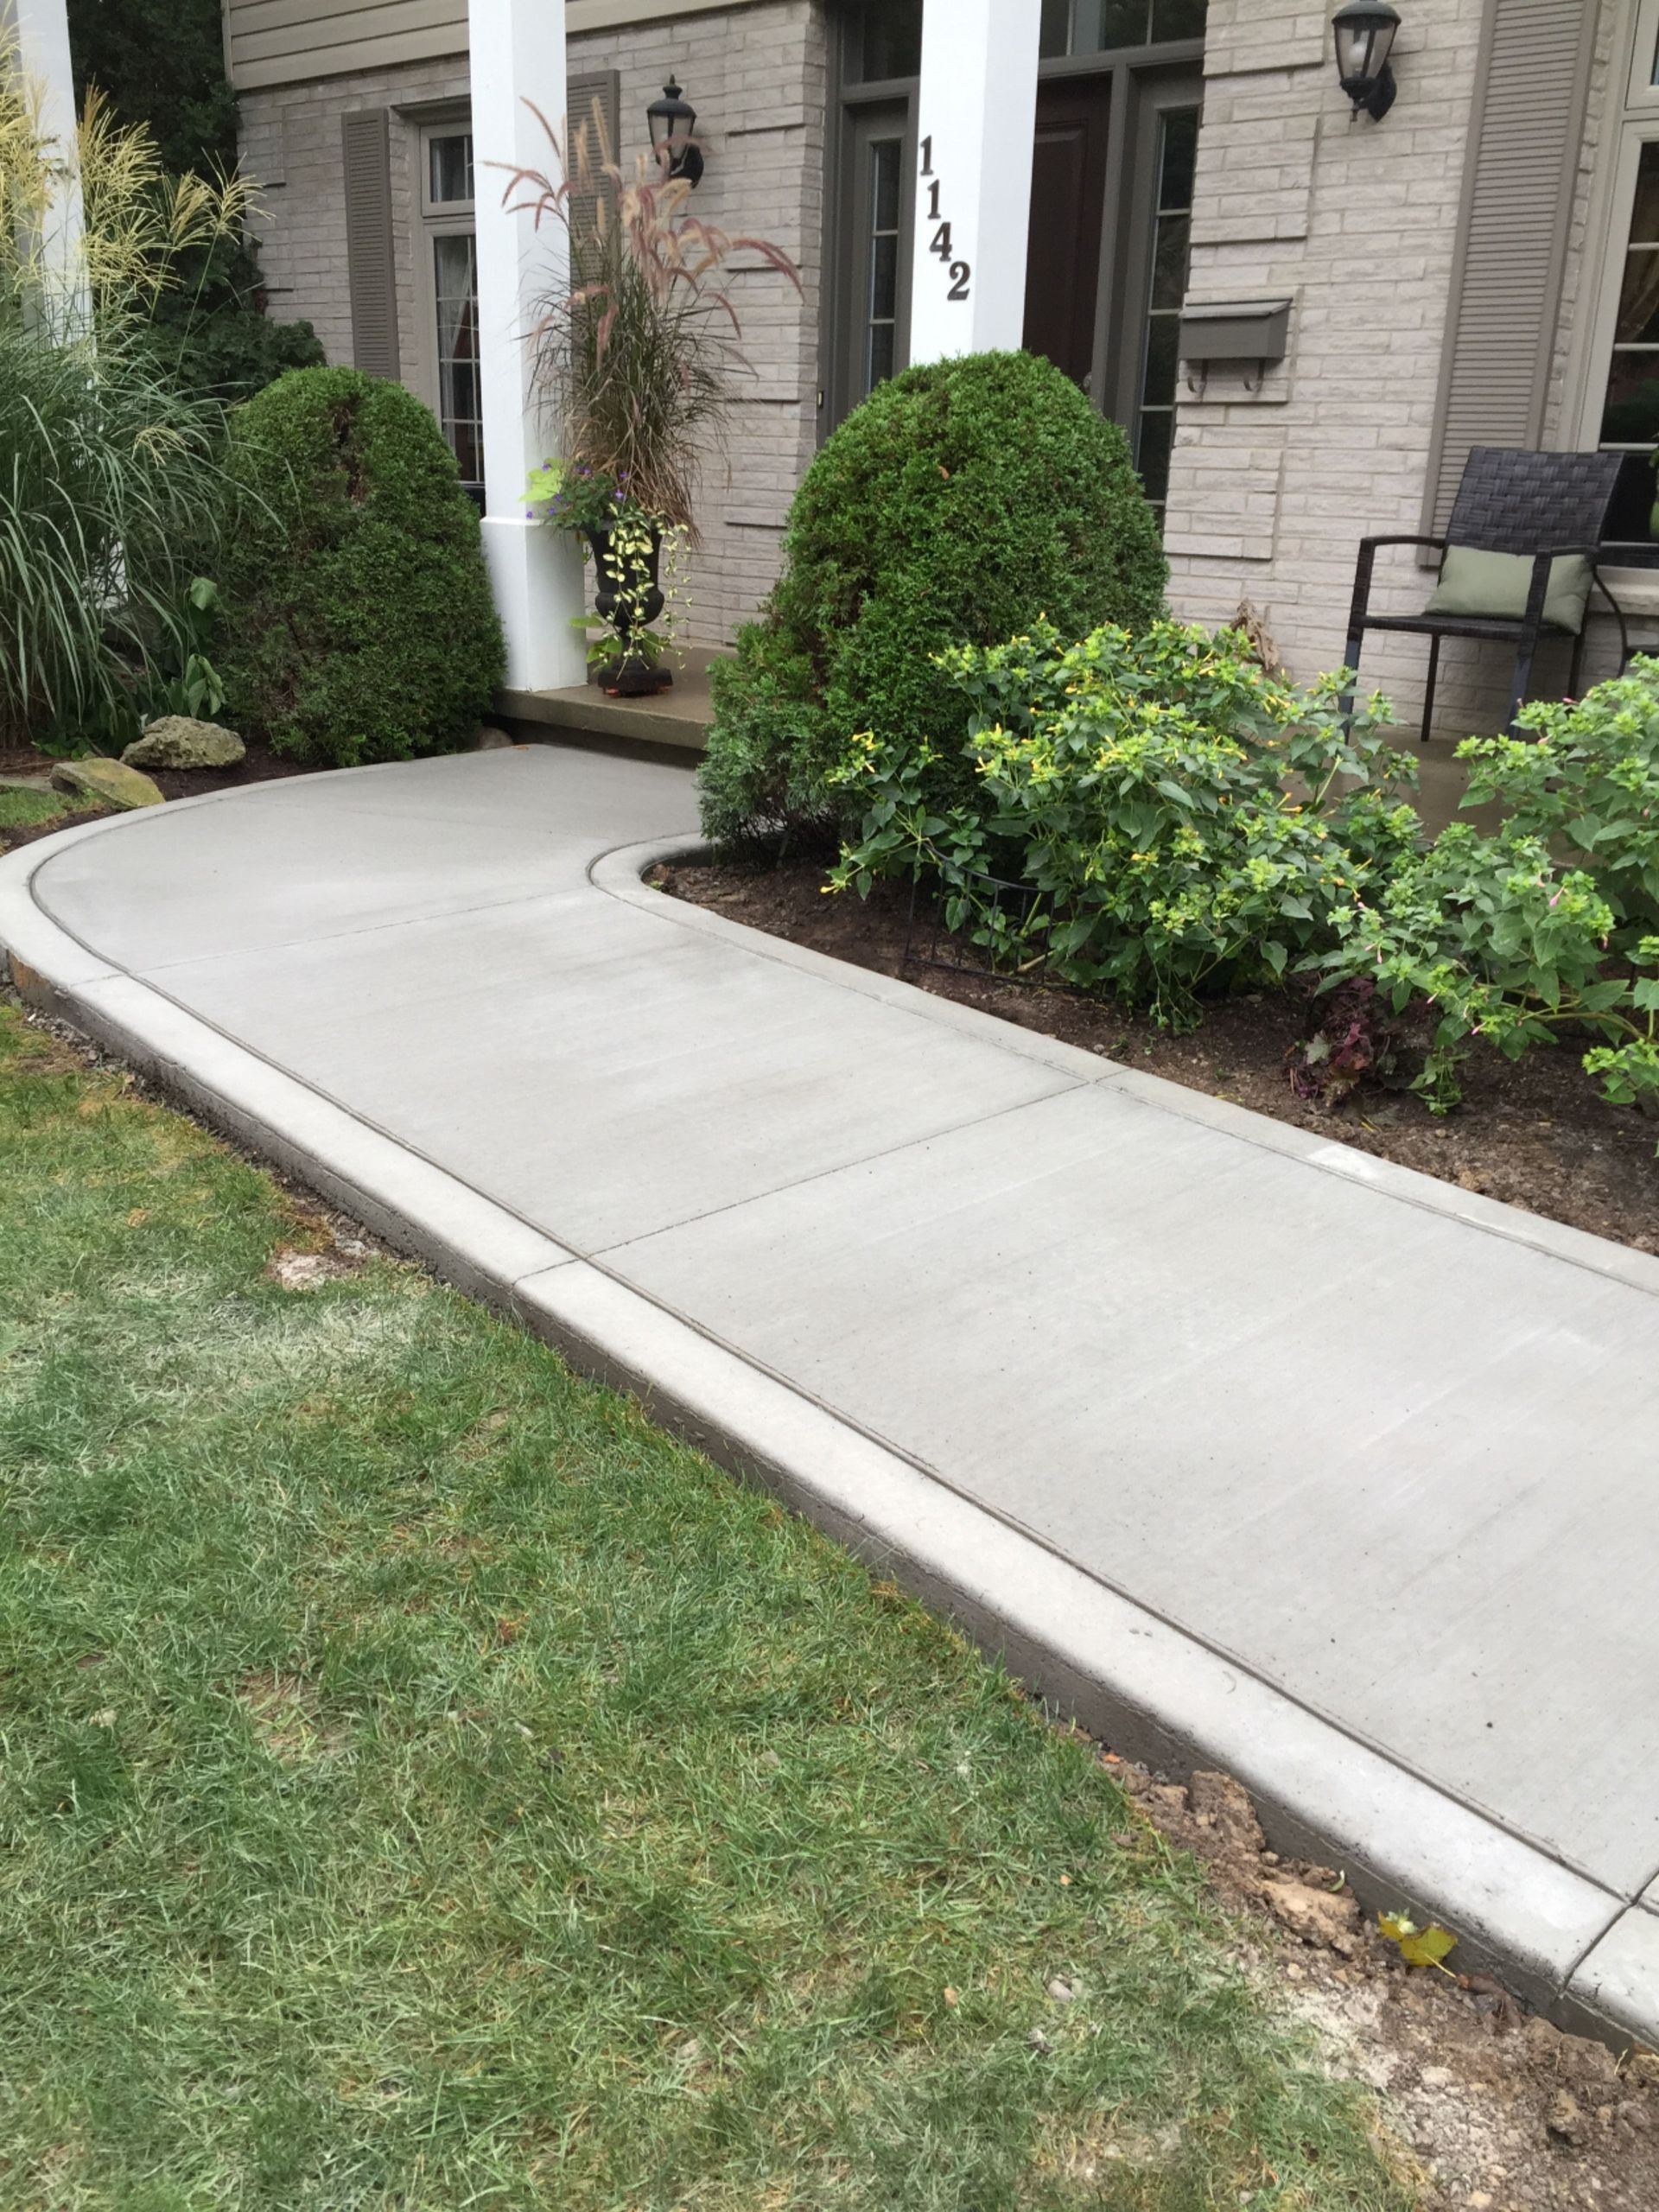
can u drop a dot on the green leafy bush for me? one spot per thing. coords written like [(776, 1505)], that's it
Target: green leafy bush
[(963, 501), (1503, 941), (358, 620), (1138, 789)]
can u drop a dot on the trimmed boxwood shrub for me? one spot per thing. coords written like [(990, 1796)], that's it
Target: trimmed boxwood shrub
[(359, 624), (961, 502)]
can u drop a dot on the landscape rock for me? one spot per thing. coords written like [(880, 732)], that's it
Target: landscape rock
[(110, 782), (1327, 1917), (178, 741), (492, 739)]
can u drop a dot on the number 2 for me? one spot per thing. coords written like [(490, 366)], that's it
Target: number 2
[(960, 272)]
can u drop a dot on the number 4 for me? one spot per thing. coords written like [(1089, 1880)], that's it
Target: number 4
[(941, 244)]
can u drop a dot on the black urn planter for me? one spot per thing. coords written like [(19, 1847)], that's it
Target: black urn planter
[(619, 600)]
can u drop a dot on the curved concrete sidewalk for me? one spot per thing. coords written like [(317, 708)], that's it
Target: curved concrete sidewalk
[(1249, 1448)]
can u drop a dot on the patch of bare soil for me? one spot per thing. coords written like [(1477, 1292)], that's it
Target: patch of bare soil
[(1499, 2109), (1531, 1132)]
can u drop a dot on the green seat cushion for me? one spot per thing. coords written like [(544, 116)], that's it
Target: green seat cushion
[(1496, 585)]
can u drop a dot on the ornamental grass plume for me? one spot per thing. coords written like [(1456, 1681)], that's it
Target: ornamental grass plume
[(111, 479), (636, 355)]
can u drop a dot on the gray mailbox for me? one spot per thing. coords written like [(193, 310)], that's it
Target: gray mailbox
[(1235, 330)]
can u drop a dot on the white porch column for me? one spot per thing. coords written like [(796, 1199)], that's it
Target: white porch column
[(976, 121), (517, 54), (41, 28)]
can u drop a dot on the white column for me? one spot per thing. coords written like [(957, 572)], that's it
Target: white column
[(41, 30), (976, 122), (518, 54)]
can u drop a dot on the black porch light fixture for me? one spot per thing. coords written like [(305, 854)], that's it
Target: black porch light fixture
[(672, 120), (1365, 34)]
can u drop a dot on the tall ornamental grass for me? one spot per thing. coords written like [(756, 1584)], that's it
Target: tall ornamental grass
[(111, 482), (637, 355)]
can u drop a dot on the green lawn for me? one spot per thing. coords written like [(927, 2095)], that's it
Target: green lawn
[(425, 1785), (28, 810)]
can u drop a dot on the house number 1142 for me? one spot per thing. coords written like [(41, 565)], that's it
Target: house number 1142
[(960, 271)]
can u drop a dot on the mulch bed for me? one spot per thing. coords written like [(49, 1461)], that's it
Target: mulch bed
[(260, 765), (1533, 1132)]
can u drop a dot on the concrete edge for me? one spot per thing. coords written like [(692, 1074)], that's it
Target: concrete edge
[(1612, 1994), (1150, 1690), (619, 874), (593, 715), (416, 1208)]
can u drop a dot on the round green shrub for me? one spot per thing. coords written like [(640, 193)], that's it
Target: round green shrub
[(359, 624), (961, 502)]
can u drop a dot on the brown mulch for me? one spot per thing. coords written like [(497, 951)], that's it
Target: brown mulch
[(260, 765), (1533, 1132)]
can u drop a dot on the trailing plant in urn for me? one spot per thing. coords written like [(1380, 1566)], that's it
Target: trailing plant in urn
[(636, 360)]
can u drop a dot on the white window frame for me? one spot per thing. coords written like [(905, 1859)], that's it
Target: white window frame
[(1640, 90), (439, 218), (1632, 121)]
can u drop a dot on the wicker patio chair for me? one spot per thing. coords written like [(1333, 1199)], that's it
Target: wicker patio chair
[(1541, 505)]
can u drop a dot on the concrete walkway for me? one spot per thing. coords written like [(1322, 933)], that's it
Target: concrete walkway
[(1250, 1448)]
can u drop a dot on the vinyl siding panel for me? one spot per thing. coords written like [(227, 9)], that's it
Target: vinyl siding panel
[(292, 41), (1525, 132)]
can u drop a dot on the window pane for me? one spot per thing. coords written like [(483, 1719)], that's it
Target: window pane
[(1055, 37), (1178, 18), (452, 168), (884, 279), (1631, 415), (882, 246), (888, 43), (1171, 255), (1154, 424), (1157, 429), (455, 277), (1099, 25), (1178, 159), (1638, 298), (1629, 410), (884, 157)]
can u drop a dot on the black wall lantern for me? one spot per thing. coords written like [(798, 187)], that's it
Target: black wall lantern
[(1364, 40), (672, 120)]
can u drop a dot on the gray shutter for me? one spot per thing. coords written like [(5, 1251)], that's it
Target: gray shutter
[(601, 88), (1525, 132), (371, 267)]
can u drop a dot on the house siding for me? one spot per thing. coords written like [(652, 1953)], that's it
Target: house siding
[(758, 76), (298, 42)]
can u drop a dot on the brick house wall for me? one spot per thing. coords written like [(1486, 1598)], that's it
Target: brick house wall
[(1356, 223), (757, 80)]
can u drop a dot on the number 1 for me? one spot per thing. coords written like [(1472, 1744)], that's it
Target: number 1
[(927, 155), (933, 201)]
